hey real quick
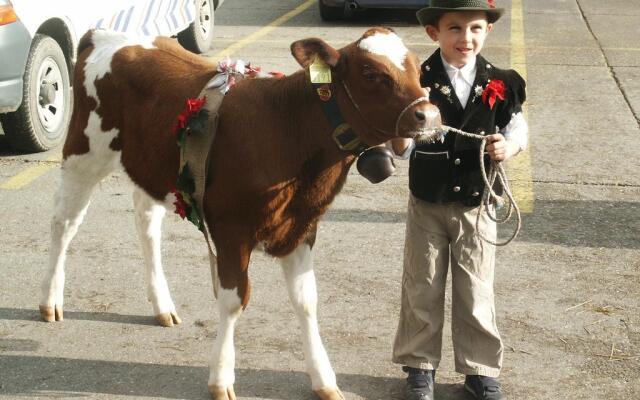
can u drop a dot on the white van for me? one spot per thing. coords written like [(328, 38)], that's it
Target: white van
[(38, 41)]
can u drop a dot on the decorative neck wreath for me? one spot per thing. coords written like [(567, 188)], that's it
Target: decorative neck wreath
[(193, 120)]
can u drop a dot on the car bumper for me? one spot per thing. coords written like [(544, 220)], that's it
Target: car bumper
[(411, 4), (15, 42)]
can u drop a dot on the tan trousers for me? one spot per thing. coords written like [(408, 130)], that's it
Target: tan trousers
[(439, 235)]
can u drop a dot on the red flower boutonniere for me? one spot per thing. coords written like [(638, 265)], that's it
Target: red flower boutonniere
[(494, 90), (491, 4)]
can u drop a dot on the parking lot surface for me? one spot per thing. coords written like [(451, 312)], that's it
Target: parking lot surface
[(567, 290)]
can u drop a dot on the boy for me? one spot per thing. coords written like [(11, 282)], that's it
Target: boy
[(446, 189)]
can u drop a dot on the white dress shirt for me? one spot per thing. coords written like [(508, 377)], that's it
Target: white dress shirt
[(461, 79)]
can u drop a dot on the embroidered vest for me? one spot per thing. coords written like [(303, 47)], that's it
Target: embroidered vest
[(450, 171)]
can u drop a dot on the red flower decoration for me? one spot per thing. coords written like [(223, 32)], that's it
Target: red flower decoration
[(182, 208), (252, 71), (277, 74), (193, 108), (180, 124), (231, 81), (491, 4), (494, 90)]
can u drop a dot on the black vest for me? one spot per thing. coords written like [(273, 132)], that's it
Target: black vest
[(450, 171)]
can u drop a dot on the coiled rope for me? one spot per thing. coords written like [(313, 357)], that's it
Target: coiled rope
[(489, 196)]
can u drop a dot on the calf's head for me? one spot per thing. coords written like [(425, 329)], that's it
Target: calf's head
[(378, 81)]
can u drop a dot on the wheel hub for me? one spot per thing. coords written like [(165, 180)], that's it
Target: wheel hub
[(205, 18), (50, 95), (47, 93)]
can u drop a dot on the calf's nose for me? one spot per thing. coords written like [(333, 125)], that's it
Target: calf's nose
[(428, 116)]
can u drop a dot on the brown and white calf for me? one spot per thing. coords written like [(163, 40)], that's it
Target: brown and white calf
[(274, 167)]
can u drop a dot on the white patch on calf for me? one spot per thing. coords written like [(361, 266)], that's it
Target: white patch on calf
[(101, 159), (386, 44), (105, 45)]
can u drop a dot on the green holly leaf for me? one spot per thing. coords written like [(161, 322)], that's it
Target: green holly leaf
[(185, 182), (181, 136), (194, 217), (198, 122)]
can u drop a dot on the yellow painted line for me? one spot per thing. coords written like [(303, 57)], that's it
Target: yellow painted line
[(264, 31), (520, 169), (30, 174)]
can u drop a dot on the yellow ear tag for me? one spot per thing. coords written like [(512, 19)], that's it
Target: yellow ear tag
[(319, 72)]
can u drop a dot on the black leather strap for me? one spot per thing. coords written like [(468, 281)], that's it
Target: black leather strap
[(342, 134)]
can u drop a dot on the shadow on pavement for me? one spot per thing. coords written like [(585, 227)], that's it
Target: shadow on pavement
[(68, 378), (5, 149), (20, 314), (574, 223), (583, 223), (362, 215)]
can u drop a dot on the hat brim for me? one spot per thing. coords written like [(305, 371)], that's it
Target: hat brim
[(429, 15)]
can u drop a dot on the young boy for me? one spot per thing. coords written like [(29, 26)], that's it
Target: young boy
[(446, 189)]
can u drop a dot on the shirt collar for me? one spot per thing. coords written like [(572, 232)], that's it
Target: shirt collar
[(466, 72)]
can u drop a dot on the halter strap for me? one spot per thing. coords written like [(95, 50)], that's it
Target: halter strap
[(396, 133)]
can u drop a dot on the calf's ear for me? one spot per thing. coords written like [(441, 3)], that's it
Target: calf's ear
[(305, 52)]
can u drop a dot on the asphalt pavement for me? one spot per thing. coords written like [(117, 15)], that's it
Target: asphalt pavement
[(567, 290)]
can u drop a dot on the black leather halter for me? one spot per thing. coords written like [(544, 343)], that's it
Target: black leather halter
[(342, 134)]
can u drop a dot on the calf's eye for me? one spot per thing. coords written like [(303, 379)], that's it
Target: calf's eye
[(370, 77)]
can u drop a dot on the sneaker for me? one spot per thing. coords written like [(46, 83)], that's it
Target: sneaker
[(420, 383), (484, 387)]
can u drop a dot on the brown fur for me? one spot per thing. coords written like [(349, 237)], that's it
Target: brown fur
[(274, 169)]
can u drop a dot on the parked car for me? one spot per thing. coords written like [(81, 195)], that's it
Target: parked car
[(331, 10), (38, 41)]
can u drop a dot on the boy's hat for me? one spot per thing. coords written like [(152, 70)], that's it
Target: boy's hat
[(430, 14)]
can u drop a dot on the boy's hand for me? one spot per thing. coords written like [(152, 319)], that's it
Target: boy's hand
[(500, 149)]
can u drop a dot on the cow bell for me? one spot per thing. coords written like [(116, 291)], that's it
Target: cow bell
[(376, 164)]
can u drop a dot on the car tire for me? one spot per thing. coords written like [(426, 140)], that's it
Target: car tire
[(328, 13), (41, 121), (198, 37)]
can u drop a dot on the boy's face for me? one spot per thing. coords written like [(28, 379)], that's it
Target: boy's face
[(461, 35)]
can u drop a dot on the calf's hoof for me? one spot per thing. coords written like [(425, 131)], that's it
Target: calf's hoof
[(168, 319), (329, 393), (51, 314), (222, 393)]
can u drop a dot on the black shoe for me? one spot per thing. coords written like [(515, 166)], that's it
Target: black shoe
[(484, 387), (420, 384)]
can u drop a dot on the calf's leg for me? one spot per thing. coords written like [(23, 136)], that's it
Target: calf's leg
[(222, 375), (149, 214), (70, 206), (233, 296), (301, 284)]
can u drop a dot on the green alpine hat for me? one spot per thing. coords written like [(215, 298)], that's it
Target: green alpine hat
[(430, 14)]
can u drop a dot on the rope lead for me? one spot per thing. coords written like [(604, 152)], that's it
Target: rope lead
[(496, 171)]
